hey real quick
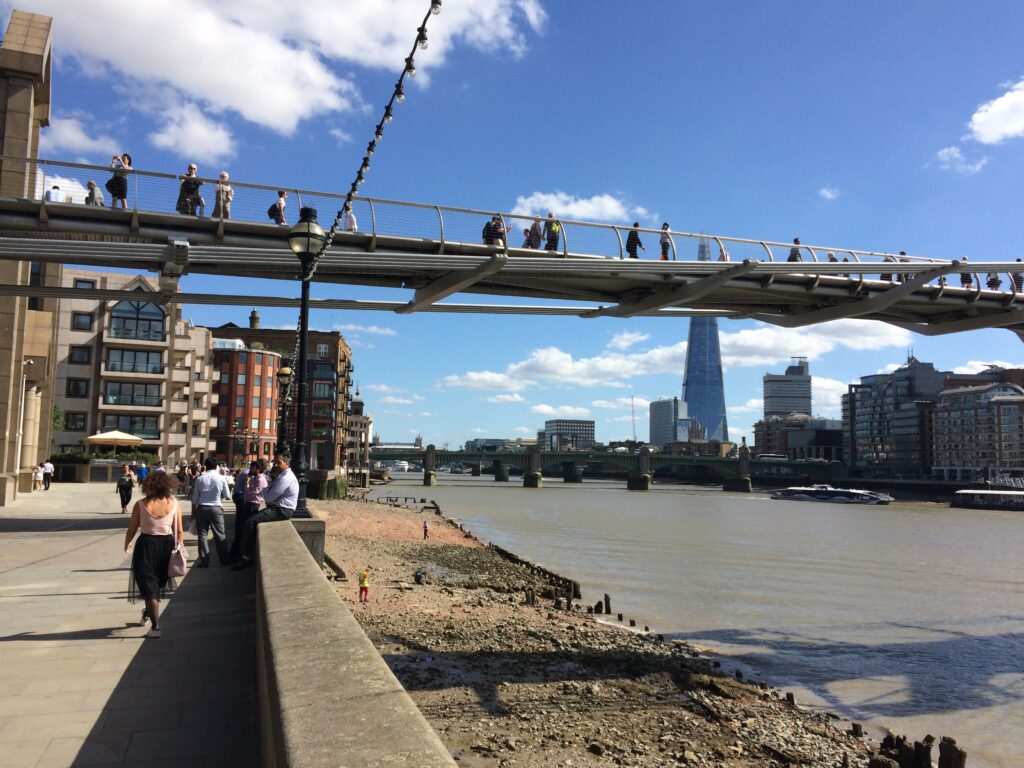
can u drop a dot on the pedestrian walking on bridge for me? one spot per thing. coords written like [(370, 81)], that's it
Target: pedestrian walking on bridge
[(633, 241)]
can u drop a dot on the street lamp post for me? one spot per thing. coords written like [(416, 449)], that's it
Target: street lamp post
[(284, 380), (305, 239)]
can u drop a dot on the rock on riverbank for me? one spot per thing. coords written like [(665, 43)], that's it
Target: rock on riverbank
[(506, 684)]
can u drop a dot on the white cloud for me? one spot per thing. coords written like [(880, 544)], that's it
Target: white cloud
[(478, 431), (977, 366), (889, 367), (396, 400), (426, 413), (566, 411), (375, 330), (273, 64), (190, 133), (602, 207), (1000, 119), (418, 398), (753, 405), (618, 418), (829, 193), (386, 388), (515, 397), (762, 345), (626, 339), (828, 395), (69, 134), (343, 137), (524, 430), (622, 402), (953, 159), (68, 186)]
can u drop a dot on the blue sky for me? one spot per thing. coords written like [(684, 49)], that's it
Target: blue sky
[(888, 126)]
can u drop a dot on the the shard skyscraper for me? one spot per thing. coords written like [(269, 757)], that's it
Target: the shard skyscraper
[(703, 389)]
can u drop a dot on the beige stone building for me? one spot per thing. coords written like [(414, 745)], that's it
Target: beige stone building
[(132, 365), (359, 432), (26, 324)]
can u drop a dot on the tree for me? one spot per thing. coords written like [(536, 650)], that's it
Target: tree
[(58, 419)]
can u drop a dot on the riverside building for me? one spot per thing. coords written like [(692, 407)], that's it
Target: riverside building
[(329, 375), (133, 366), (789, 392), (357, 448), (979, 433), (568, 435), (246, 421), (888, 421), (668, 422)]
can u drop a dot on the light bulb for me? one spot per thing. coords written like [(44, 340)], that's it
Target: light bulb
[(410, 68), (435, 7), (388, 117), (400, 93), (421, 40), (379, 133)]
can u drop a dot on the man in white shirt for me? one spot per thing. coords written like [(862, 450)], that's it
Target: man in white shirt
[(54, 195), (48, 471), (208, 492), (281, 498), (348, 222)]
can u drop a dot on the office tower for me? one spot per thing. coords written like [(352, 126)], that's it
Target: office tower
[(703, 390), (669, 422), (568, 435), (789, 392)]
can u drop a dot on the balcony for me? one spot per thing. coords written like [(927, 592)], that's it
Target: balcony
[(131, 371), (176, 439), (201, 387), (180, 376), (214, 398), (130, 401), (179, 407), (134, 337), (200, 414)]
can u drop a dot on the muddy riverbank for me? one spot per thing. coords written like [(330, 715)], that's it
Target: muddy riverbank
[(508, 684)]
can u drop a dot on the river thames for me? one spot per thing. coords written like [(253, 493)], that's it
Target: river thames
[(907, 616)]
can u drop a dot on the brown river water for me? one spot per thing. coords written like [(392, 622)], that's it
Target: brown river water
[(906, 616)]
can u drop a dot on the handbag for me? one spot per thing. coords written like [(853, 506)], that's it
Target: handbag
[(179, 561)]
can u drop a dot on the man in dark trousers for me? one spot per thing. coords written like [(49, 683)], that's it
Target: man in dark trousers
[(281, 499), (633, 241)]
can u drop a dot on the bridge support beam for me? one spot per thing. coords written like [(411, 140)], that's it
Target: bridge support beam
[(638, 481), (737, 484), (429, 478), (532, 480), (500, 472), (571, 473)]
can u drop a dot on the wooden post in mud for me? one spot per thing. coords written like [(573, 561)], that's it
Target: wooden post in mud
[(950, 755), (607, 604)]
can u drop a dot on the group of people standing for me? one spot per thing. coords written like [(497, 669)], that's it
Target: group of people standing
[(261, 494)]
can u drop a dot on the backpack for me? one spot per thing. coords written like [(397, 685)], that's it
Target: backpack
[(272, 212), (554, 228)]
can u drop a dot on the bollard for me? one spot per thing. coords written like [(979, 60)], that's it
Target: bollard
[(607, 603), (620, 617), (632, 622), (646, 628), (598, 607), (857, 730), (791, 699)]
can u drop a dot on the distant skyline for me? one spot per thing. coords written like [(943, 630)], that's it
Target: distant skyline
[(887, 126)]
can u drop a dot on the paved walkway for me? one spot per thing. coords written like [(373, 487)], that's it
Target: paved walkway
[(79, 686)]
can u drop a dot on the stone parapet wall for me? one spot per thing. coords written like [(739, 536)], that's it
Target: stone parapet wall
[(326, 696)]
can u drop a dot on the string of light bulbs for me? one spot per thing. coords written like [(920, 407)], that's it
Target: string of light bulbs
[(397, 96)]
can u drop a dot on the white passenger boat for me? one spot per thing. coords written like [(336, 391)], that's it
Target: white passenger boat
[(823, 492), (984, 498)]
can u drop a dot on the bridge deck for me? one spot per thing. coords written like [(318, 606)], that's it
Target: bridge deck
[(409, 246)]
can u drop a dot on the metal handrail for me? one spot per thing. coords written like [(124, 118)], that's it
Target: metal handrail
[(612, 229)]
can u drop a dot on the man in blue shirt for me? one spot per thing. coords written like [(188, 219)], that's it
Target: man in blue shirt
[(208, 492), (281, 498)]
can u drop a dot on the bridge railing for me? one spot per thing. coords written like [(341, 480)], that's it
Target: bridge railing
[(445, 227)]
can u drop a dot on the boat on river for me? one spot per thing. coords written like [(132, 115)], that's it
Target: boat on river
[(989, 498), (822, 492)]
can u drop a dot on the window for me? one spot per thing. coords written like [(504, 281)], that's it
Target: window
[(85, 284), (241, 379), (257, 359), (266, 449), (243, 357), (240, 401), (321, 350), (35, 279), (74, 422), (80, 355), (222, 422), (225, 377), (238, 423), (140, 426), (134, 361), (256, 403), (137, 320), (267, 427), (131, 393), (257, 381), (255, 424), (268, 403), (197, 430), (78, 388), (323, 391), (81, 321)]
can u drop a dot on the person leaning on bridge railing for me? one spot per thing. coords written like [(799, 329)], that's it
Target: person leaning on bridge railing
[(223, 197), (94, 196), (188, 193)]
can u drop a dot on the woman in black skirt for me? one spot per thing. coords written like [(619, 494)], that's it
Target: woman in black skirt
[(117, 185), (125, 484), (158, 522)]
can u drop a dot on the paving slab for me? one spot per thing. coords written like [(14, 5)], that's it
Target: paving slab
[(79, 684)]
